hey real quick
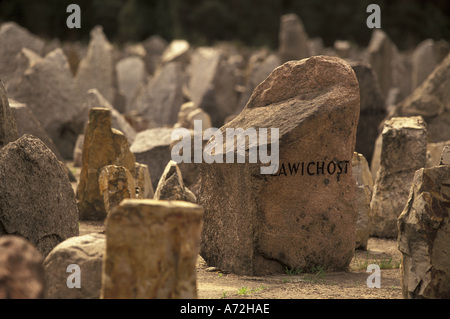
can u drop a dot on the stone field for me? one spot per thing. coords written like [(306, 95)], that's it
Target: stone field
[(303, 167)]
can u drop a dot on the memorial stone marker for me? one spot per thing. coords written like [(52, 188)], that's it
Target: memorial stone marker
[(304, 214)]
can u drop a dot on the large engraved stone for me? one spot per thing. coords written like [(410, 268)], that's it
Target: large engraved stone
[(303, 215), (151, 250)]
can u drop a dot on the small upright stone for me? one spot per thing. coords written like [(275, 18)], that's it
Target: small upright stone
[(14, 38), (171, 185), (445, 156), (403, 151), (8, 128), (116, 184), (102, 146), (97, 70), (293, 39), (143, 182), (364, 189), (151, 250), (21, 271), (431, 100)]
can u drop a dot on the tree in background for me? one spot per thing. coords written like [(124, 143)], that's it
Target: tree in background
[(251, 22)]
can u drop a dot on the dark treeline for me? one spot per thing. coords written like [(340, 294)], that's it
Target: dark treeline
[(250, 22)]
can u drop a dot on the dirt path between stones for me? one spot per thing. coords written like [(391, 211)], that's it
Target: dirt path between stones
[(214, 284)]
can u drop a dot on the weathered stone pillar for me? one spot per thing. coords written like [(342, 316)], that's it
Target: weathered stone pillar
[(151, 250), (116, 184)]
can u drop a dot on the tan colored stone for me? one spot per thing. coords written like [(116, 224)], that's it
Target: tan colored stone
[(116, 184), (364, 185), (424, 236), (171, 185), (102, 146), (259, 224), (403, 151), (151, 250), (445, 156), (143, 181), (434, 152)]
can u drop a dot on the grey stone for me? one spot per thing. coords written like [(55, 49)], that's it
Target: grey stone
[(85, 251), (97, 68), (160, 100), (293, 39), (424, 61), (171, 185), (38, 201), (27, 123), (8, 127), (152, 148), (431, 100), (13, 38), (47, 87)]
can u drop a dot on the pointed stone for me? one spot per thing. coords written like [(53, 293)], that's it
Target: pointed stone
[(102, 146)]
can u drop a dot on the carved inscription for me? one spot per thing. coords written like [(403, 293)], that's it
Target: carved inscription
[(313, 168)]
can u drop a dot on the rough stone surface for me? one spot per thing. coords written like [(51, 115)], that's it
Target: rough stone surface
[(152, 148), (403, 151), (382, 54), (102, 146), (373, 110), (21, 272), (96, 99), (154, 47), (424, 61), (116, 184), (212, 84), (177, 51), (293, 39), (78, 151), (37, 201), (260, 68), (434, 152), (27, 123), (364, 189), (85, 251), (8, 127), (47, 87), (16, 38), (160, 100), (131, 75), (271, 222), (97, 69), (431, 100), (445, 156), (158, 241), (424, 235), (171, 185), (143, 181)]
